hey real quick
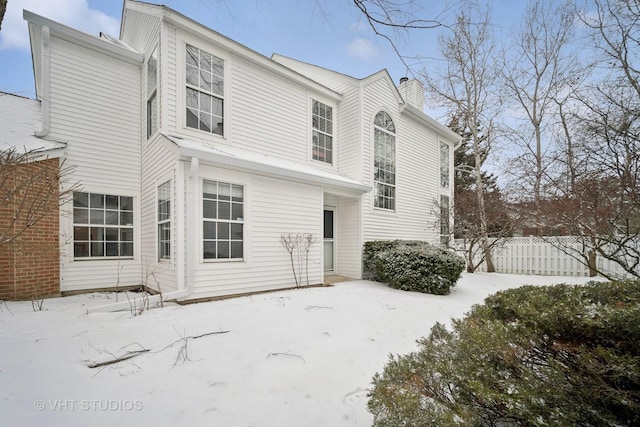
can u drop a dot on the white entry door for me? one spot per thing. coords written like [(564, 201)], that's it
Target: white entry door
[(328, 242)]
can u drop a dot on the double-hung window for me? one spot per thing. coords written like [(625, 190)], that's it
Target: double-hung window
[(222, 220), (322, 124), (384, 161), (164, 221), (152, 93), (102, 226), (204, 91)]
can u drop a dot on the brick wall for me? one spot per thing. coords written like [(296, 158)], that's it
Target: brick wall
[(30, 264)]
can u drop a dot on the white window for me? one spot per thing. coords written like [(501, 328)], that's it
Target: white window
[(223, 220), (444, 165), (384, 162), (322, 124), (204, 90), (445, 231), (164, 221), (152, 93), (102, 226)]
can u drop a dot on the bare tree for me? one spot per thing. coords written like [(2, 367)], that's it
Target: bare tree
[(537, 68), (602, 204), (467, 86), (3, 9), (29, 190)]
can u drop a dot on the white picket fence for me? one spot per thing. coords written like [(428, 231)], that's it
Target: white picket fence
[(538, 256)]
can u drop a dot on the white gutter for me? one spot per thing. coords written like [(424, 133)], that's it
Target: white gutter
[(430, 122), (44, 79), (223, 159), (190, 259)]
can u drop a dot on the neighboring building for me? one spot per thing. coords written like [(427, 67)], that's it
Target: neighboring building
[(29, 215), (196, 154)]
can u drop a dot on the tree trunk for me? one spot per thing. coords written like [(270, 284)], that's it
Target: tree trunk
[(482, 212)]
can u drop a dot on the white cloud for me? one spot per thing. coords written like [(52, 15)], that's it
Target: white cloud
[(74, 13), (362, 49)]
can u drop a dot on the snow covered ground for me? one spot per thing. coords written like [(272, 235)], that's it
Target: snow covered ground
[(290, 358)]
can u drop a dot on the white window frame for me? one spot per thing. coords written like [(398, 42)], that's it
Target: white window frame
[(389, 188), (202, 91), (445, 220), (152, 94), (445, 165), (231, 221), (319, 124), (97, 219), (164, 218)]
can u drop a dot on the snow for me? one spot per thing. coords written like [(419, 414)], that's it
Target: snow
[(301, 357)]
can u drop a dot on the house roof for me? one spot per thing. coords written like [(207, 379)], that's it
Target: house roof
[(104, 44), (19, 118), (263, 164), (314, 71), (196, 28)]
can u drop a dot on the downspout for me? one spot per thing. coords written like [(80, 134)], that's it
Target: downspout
[(44, 80), (189, 259)]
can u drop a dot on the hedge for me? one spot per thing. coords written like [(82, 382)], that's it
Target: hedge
[(412, 266)]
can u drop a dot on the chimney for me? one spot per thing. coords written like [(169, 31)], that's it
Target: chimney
[(412, 92)]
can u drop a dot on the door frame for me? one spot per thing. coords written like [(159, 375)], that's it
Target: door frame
[(332, 240)]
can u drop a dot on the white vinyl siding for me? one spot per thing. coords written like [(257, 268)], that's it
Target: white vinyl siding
[(272, 207), (417, 177), (160, 165), (96, 110), (269, 114)]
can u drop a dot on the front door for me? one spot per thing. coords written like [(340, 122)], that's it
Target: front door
[(328, 242)]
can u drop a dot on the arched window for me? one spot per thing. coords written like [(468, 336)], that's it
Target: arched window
[(384, 161)]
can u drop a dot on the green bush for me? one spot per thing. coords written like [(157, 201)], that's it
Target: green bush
[(412, 266), (534, 356)]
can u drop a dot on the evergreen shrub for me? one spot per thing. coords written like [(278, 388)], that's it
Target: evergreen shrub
[(412, 266), (559, 355)]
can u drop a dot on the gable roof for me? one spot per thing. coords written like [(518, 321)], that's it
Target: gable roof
[(194, 27), (19, 119), (321, 73)]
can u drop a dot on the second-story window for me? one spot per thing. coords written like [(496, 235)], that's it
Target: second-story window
[(444, 165), (204, 90), (322, 123), (152, 93), (384, 161)]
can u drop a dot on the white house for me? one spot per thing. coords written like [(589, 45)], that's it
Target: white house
[(196, 154)]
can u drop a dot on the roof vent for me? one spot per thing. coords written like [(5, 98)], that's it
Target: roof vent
[(404, 79)]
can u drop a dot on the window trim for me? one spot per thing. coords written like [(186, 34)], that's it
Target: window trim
[(242, 221), (394, 186), (182, 79), (331, 135), (447, 185), (163, 222), (445, 227), (152, 96), (104, 226)]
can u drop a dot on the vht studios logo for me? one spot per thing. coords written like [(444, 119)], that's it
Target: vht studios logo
[(96, 405)]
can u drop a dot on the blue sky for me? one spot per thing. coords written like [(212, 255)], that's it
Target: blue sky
[(329, 33)]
